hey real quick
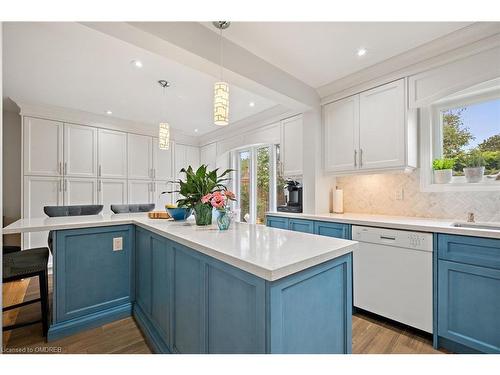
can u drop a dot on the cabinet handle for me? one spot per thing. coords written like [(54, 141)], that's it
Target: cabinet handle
[(99, 185), (65, 167), (59, 168), (355, 158), (360, 157), (154, 173), (99, 170)]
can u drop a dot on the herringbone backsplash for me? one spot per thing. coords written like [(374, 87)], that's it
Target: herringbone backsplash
[(376, 194)]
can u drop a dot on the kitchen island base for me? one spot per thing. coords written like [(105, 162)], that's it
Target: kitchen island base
[(185, 301)]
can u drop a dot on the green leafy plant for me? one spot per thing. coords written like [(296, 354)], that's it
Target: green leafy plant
[(439, 164), (475, 159), (198, 184)]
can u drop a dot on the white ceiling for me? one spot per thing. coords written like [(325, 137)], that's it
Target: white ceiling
[(73, 66), (321, 52)]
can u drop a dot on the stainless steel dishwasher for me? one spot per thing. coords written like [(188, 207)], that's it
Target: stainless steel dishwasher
[(392, 274)]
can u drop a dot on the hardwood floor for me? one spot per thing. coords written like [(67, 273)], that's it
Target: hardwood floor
[(370, 335)]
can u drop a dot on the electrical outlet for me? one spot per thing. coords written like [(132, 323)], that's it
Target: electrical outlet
[(400, 194), (117, 243)]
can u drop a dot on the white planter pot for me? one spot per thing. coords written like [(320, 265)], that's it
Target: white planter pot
[(442, 176), (474, 174)]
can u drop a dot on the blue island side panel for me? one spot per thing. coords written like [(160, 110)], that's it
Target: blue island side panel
[(93, 284), (311, 311)]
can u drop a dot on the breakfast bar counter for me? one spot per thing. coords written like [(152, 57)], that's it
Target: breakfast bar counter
[(196, 289)]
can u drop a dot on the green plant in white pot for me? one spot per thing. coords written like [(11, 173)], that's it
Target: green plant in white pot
[(443, 170), (474, 169)]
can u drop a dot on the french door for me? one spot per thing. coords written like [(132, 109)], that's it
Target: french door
[(255, 182)]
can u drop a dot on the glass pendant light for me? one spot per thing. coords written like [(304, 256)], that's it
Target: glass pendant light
[(164, 127), (221, 88)]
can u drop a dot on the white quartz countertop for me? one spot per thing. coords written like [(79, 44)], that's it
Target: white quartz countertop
[(269, 253), (397, 222)]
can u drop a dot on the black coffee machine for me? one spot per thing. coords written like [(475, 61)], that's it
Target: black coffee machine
[(294, 201)]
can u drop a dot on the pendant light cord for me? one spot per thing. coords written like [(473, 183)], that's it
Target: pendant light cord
[(221, 57)]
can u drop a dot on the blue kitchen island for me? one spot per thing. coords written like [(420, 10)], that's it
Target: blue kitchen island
[(191, 289)]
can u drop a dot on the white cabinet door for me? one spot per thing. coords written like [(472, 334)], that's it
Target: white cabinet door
[(112, 154), (208, 155), (341, 134), (382, 126), (140, 156), (162, 199), (193, 157), (179, 160), (291, 146), (39, 192), (111, 191), (80, 191), (80, 151), (140, 191), (42, 147), (163, 161)]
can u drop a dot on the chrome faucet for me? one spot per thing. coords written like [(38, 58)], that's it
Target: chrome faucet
[(470, 217)]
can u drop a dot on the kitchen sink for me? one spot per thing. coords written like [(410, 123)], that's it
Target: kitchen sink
[(492, 226)]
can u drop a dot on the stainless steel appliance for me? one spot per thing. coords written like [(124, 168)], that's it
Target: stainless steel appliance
[(293, 195)]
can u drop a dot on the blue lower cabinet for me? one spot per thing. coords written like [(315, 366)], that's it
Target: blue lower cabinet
[(236, 311), (143, 270), (189, 302), (92, 283), (324, 228), (468, 295), (301, 225), (277, 222)]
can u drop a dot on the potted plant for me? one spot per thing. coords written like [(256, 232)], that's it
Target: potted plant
[(474, 169), (220, 201), (443, 169), (197, 185)]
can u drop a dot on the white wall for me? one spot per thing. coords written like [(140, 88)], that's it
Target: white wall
[(11, 154)]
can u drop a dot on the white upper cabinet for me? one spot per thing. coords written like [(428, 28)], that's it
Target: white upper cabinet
[(208, 155), (163, 161), (140, 156), (185, 156), (112, 154), (382, 126), (42, 147), (291, 146), (111, 191), (373, 131), (80, 191), (341, 134), (140, 191), (193, 156), (80, 151)]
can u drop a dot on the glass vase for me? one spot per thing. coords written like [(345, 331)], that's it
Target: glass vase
[(224, 219), (203, 214)]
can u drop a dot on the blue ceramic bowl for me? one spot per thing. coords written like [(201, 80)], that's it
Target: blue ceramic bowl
[(179, 213)]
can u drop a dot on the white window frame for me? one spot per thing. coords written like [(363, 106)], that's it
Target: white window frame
[(253, 178), (431, 144)]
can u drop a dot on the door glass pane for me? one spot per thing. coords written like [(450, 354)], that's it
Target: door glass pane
[(263, 181), (244, 183), (280, 181)]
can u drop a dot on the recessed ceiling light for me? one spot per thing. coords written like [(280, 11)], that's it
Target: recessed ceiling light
[(251, 104), (362, 51), (136, 63), (196, 130), (108, 112)]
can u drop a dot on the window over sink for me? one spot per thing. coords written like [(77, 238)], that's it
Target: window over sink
[(461, 133)]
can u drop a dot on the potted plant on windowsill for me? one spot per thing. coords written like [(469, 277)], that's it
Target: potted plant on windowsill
[(198, 185), (474, 169), (443, 170)]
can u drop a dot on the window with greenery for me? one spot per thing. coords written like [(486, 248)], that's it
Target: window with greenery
[(469, 130)]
